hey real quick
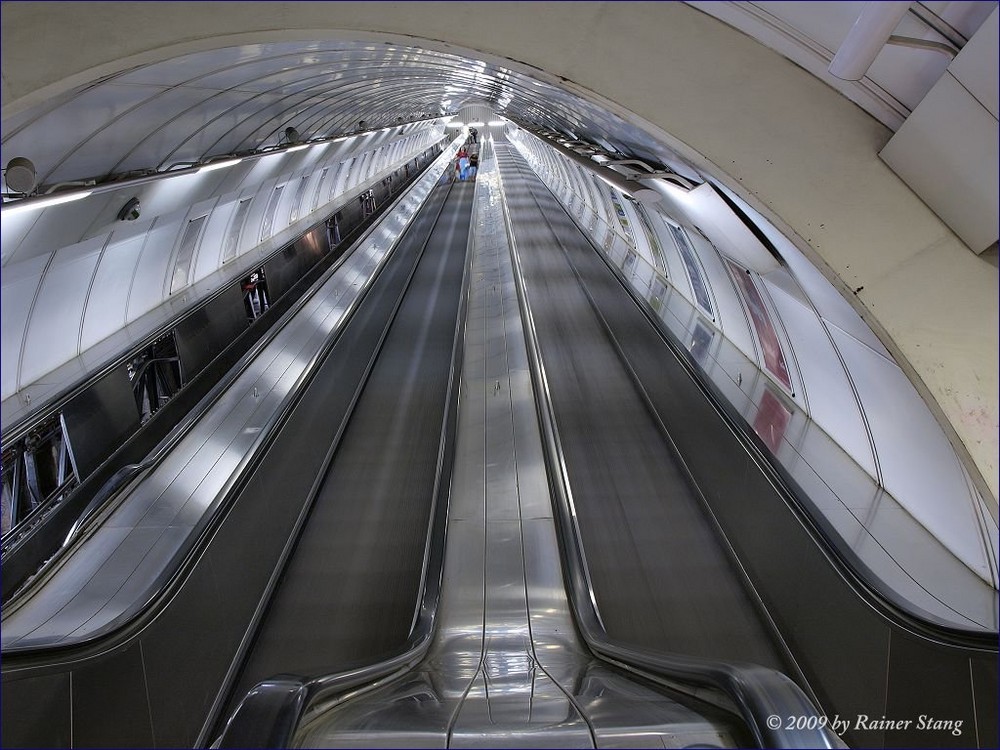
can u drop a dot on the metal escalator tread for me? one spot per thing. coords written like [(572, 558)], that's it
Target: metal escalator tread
[(661, 575), (348, 592)]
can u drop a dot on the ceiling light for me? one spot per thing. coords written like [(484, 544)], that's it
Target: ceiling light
[(50, 200), (297, 148), (221, 164)]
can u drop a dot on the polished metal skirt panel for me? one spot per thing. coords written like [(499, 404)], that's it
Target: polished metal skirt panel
[(120, 565), (506, 668), (662, 574)]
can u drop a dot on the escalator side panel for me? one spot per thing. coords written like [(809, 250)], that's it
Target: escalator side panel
[(856, 660), (349, 591), (188, 647)]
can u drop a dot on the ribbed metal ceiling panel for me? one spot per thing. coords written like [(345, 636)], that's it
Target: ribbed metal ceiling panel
[(241, 99)]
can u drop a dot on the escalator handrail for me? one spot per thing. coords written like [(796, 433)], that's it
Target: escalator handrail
[(132, 621), (127, 472), (773, 706), (274, 709)]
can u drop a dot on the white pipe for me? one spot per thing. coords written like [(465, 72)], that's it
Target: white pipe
[(866, 38)]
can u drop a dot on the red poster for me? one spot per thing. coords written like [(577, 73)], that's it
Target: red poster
[(771, 421), (774, 359)]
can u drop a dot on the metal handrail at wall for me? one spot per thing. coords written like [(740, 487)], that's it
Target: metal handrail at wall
[(901, 557)]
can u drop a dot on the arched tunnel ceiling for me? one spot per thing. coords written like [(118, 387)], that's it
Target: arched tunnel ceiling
[(796, 149), (240, 99)]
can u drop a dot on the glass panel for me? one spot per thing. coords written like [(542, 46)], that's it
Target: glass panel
[(185, 253), (235, 229), (272, 207)]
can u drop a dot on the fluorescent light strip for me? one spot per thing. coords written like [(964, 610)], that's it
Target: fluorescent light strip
[(52, 200), (290, 149), (222, 164)]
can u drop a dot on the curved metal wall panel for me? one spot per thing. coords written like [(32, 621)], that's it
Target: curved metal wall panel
[(111, 283), (919, 466), (829, 396), (829, 303), (20, 285), (73, 124), (114, 278), (53, 329), (152, 271), (184, 255), (213, 238)]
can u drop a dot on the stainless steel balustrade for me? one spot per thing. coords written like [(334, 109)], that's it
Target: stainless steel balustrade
[(124, 558), (505, 665), (160, 673)]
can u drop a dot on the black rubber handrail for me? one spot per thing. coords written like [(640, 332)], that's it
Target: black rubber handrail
[(128, 621), (275, 709), (759, 694)]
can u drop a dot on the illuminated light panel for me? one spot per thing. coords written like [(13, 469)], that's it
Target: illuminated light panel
[(219, 165), (52, 200)]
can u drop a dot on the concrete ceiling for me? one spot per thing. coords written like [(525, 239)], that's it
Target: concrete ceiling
[(810, 33)]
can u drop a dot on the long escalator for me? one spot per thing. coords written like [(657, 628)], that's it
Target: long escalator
[(506, 665), (158, 676), (682, 511), (646, 533), (662, 574), (350, 591)]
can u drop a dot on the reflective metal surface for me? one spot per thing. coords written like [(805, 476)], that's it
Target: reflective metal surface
[(243, 97), (135, 547), (917, 525), (506, 668), (82, 288)]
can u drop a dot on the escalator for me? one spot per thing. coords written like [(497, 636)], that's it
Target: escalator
[(681, 623), (645, 530), (506, 665), (362, 549), (694, 574), (173, 624), (675, 506)]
